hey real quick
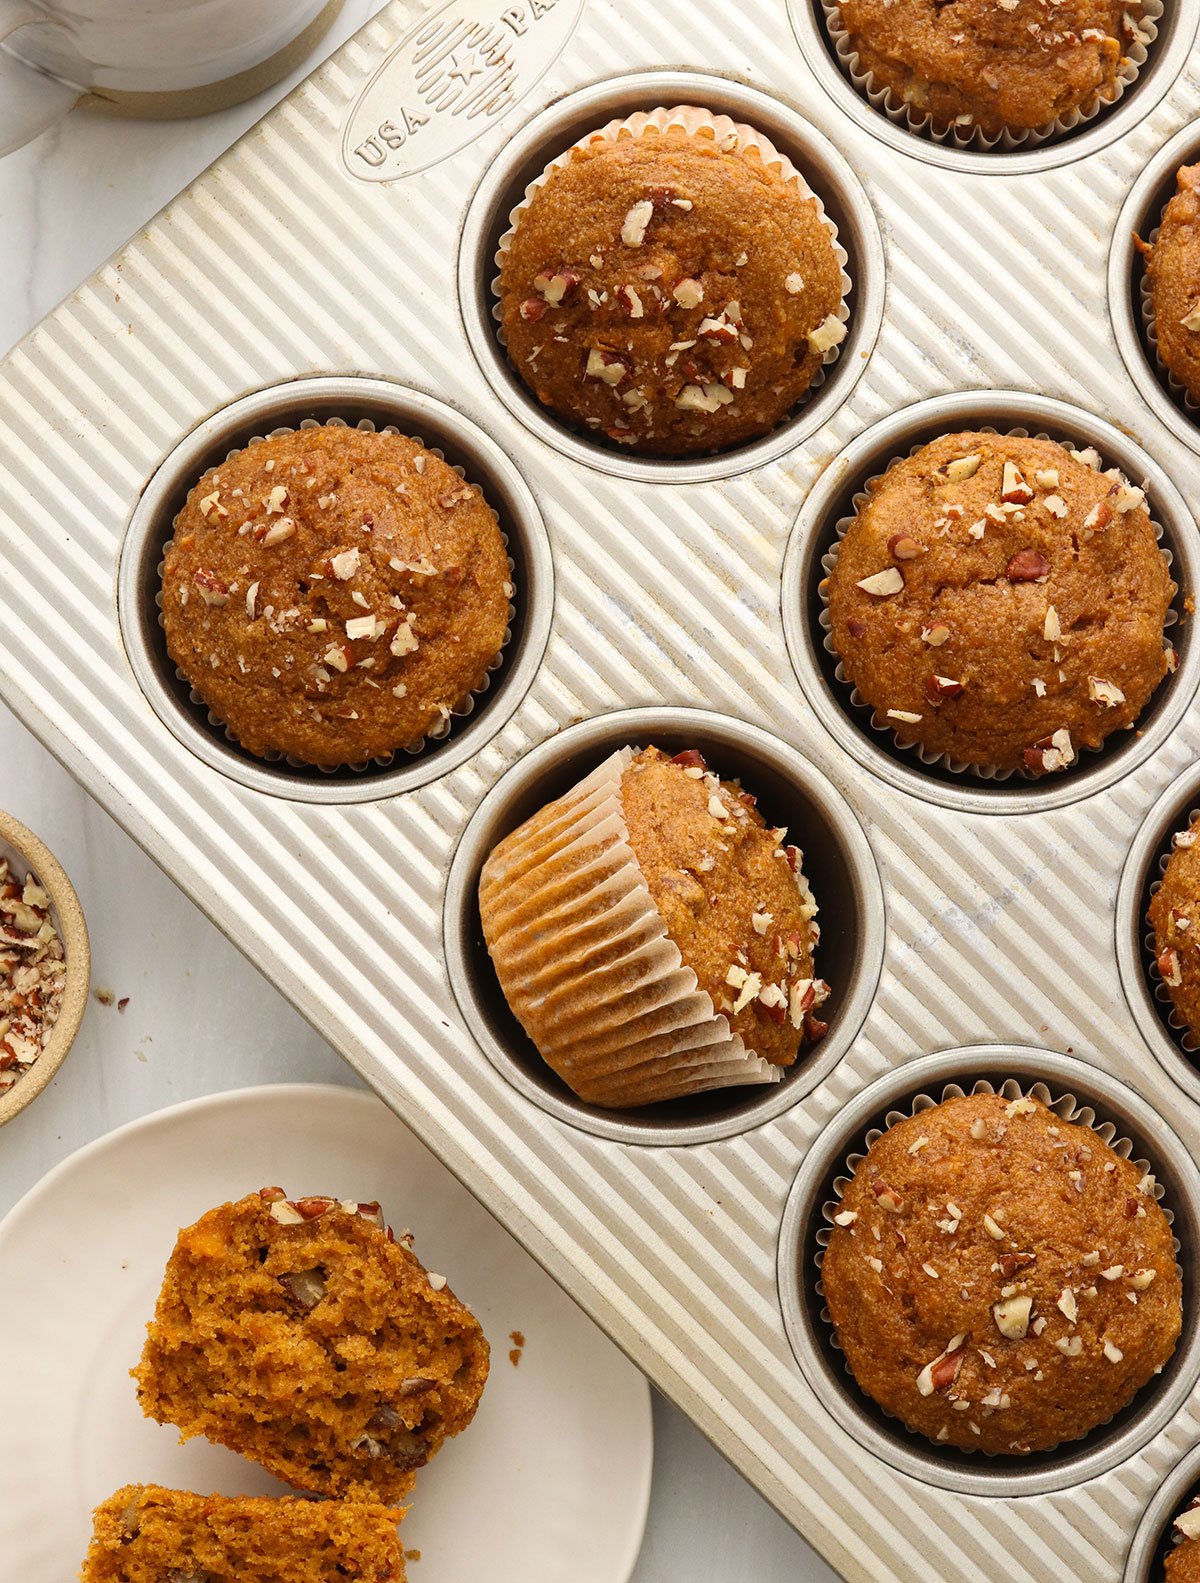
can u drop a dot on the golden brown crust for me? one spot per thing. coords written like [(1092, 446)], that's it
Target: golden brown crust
[(1173, 270), (711, 877), (998, 625), (146, 1534), (1174, 916), (1182, 1564), (693, 313), (982, 1213), (989, 64), (333, 594), (303, 1337)]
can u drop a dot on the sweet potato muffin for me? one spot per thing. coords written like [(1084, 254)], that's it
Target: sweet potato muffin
[(999, 1279), (1173, 273), (992, 64), (1002, 601), (1182, 1564), (670, 291), (333, 595), (302, 1335), (1174, 916), (653, 935), (145, 1534)]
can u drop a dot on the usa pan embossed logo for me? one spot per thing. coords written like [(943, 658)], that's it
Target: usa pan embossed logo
[(450, 78)]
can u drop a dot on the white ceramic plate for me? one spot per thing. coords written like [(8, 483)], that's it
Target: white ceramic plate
[(550, 1482)]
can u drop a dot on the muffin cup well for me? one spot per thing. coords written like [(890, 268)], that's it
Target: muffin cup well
[(1155, 1536), (896, 733), (1175, 1046), (465, 705), (817, 533), (641, 1028), (838, 864), (369, 403), (726, 133), (1077, 1092), (30, 856), (621, 100), (900, 114)]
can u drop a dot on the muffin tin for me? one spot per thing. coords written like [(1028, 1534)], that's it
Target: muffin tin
[(653, 601)]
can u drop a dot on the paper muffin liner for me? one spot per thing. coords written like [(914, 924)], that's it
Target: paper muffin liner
[(908, 744), (970, 137), (628, 1024), (1067, 1107), (460, 711), (1179, 392), (1182, 1034), (729, 134)]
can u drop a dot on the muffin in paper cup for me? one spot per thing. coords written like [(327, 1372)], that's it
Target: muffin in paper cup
[(653, 935), (940, 651), (672, 284), (247, 559), (1168, 940), (895, 85), (1181, 1563), (1168, 287), (1059, 1293)]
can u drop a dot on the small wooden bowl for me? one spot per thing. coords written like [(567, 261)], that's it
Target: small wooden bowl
[(27, 854)]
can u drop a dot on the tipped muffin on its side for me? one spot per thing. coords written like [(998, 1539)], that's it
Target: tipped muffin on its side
[(653, 935), (301, 1335)]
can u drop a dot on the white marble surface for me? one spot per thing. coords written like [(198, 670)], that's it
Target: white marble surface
[(200, 1019)]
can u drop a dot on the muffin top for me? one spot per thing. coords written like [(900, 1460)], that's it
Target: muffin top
[(992, 64), (1183, 1563), (999, 1279), (333, 594), (1173, 270), (732, 896), (1001, 600), (670, 291), (1183, 1559), (1175, 918)]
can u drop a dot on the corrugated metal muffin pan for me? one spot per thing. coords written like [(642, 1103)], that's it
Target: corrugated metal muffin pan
[(337, 263)]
